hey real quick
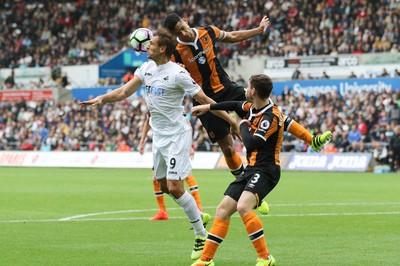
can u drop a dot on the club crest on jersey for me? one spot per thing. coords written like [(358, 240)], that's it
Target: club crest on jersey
[(264, 125), (202, 60)]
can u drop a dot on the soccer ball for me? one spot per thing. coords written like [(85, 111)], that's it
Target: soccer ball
[(140, 39)]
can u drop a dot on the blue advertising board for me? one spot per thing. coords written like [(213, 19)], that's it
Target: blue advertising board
[(118, 65), (314, 87)]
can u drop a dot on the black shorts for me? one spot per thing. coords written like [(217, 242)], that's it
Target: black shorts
[(216, 127), (259, 181)]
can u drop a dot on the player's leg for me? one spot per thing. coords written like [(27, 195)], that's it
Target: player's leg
[(176, 152), (220, 227), (162, 210), (219, 131), (194, 190), (232, 158), (218, 231), (259, 184), (254, 226), (297, 130)]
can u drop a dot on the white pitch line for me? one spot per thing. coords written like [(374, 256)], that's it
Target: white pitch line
[(213, 207), (184, 217)]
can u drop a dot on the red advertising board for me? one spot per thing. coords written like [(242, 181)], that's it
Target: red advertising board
[(27, 95)]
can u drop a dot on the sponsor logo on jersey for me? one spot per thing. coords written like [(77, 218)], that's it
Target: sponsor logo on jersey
[(155, 91), (199, 55)]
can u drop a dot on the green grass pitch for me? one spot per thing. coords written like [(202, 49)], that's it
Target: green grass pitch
[(62, 216)]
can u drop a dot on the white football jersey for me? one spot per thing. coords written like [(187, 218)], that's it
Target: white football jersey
[(166, 86)]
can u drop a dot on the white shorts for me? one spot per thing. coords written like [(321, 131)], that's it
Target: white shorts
[(171, 156)]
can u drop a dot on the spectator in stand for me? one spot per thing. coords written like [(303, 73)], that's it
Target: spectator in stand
[(394, 150), (127, 77), (330, 149), (296, 74), (352, 75), (298, 28), (380, 152), (10, 82), (384, 73)]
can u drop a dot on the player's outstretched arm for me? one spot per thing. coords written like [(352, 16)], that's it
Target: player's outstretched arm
[(241, 35), (200, 109), (116, 95)]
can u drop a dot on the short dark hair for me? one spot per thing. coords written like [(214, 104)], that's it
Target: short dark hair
[(165, 38), (171, 20), (263, 85)]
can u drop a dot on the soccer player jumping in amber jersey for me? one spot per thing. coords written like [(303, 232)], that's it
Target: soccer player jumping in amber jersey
[(196, 51), (262, 130)]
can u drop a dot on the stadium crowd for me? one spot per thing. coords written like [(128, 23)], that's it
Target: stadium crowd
[(54, 33), (59, 33), (364, 122)]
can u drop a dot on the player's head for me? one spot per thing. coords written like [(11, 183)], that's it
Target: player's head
[(262, 84), (162, 42), (178, 27)]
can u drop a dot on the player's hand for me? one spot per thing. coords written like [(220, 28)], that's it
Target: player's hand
[(191, 153), (93, 102), (235, 131), (141, 147), (181, 65), (200, 109), (264, 23), (245, 121)]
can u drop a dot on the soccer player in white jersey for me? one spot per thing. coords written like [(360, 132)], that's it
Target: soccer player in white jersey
[(166, 84)]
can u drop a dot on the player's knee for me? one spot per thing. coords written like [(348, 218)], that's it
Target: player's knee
[(243, 208), (176, 192), (223, 212), (228, 150)]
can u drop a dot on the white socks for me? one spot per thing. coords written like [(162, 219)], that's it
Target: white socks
[(190, 208)]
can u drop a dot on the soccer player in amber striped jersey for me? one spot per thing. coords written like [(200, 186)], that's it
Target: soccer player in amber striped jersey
[(262, 130), (196, 51)]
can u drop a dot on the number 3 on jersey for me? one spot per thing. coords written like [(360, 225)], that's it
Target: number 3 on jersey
[(255, 178)]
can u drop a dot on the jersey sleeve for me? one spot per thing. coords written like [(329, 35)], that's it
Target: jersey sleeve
[(266, 127), (287, 122), (261, 134), (219, 34), (228, 106), (183, 80), (139, 72)]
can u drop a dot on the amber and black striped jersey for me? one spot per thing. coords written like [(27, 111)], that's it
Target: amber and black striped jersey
[(200, 59), (263, 138)]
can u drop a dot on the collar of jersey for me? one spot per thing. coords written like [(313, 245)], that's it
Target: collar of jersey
[(190, 43), (259, 113)]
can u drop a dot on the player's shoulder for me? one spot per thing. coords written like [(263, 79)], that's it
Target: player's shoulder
[(177, 69), (147, 65), (246, 106), (211, 30)]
